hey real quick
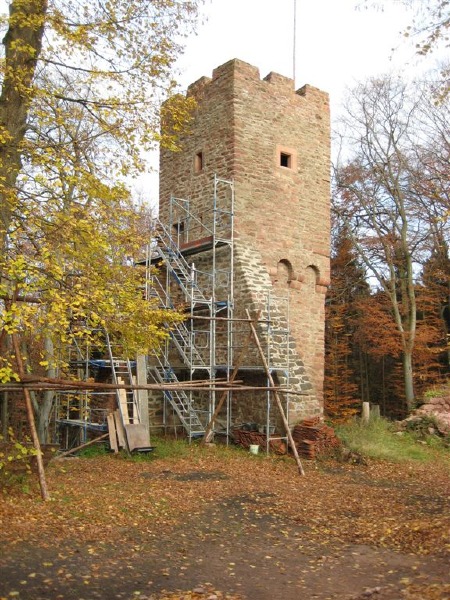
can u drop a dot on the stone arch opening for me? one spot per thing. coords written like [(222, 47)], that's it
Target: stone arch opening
[(312, 276), (285, 272)]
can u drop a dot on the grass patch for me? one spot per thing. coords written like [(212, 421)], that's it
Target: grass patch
[(165, 448), (94, 451), (378, 439), (436, 391)]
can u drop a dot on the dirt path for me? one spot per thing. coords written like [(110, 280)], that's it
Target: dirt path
[(244, 544)]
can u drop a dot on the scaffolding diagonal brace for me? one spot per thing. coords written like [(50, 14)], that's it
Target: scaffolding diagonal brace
[(275, 393)]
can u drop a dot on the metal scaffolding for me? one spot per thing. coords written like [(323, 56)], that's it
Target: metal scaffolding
[(78, 412), (190, 263), (190, 266)]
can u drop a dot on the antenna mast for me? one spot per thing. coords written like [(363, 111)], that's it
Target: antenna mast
[(294, 44)]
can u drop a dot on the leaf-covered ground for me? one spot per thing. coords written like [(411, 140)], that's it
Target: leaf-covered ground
[(223, 524)]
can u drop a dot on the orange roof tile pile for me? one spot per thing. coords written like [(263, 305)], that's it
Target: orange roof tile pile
[(313, 438), (247, 438)]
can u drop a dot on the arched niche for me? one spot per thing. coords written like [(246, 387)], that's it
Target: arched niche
[(312, 275), (285, 273)]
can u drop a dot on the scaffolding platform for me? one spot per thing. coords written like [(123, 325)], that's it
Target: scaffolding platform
[(94, 427)]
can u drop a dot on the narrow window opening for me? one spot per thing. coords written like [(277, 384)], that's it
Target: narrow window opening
[(285, 160), (179, 226), (198, 162)]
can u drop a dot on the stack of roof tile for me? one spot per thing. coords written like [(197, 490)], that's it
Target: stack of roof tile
[(246, 438), (313, 438)]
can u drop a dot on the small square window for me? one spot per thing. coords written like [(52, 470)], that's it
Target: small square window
[(198, 162), (286, 160)]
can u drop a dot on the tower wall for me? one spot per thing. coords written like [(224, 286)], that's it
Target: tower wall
[(274, 143)]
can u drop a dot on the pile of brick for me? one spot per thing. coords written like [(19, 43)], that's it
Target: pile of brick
[(313, 438)]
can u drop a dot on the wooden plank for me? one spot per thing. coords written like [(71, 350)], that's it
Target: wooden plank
[(119, 429), (112, 433), (136, 418), (123, 403), (137, 436), (195, 246)]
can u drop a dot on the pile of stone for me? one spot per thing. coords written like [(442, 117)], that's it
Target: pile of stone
[(437, 407), (313, 438)]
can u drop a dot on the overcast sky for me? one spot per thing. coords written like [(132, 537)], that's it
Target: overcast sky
[(337, 44)]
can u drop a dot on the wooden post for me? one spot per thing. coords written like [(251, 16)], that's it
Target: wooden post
[(232, 378), (112, 433), (276, 395), (365, 415), (141, 374), (30, 415)]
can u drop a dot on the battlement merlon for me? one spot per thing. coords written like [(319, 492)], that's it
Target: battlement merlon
[(236, 70)]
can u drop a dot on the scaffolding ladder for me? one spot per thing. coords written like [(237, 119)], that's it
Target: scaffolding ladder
[(192, 346), (136, 434)]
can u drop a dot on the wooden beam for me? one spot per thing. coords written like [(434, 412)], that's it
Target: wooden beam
[(123, 404), (72, 450), (112, 433), (30, 415), (69, 385), (277, 397)]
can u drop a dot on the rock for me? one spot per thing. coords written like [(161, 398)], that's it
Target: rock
[(369, 592)]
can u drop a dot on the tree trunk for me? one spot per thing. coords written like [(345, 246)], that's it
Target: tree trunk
[(22, 46), (409, 380), (43, 416), (4, 415), (44, 409)]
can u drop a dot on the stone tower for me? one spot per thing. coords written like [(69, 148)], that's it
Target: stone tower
[(273, 143)]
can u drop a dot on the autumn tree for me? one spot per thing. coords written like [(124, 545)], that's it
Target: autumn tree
[(377, 196), (344, 370), (430, 24), (430, 21), (380, 346), (79, 106), (429, 31), (433, 303)]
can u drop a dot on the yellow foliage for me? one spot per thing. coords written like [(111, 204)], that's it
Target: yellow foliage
[(80, 106), (14, 451)]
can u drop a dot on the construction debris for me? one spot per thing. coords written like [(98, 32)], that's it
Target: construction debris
[(246, 438), (313, 438)]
